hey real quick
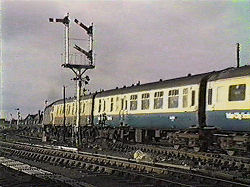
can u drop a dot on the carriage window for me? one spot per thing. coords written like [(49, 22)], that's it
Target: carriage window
[(73, 109), (99, 108), (210, 96), (122, 104), (126, 104), (104, 105), (111, 104), (83, 107), (67, 109), (185, 98), (145, 101), (86, 107), (158, 100), (173, 97), (193, 98), (117, 104), (237, 92), (133, 102)]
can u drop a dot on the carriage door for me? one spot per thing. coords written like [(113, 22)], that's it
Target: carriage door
[(123, 111)]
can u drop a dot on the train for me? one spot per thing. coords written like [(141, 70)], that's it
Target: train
[(203, 112)]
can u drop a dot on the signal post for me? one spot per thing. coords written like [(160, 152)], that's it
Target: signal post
[(78, 68)]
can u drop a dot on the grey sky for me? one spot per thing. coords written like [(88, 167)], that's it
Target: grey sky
[(134, 40)]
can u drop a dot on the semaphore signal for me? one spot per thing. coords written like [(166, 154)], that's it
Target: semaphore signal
[(78, 69), (65, 21), (88, 29)]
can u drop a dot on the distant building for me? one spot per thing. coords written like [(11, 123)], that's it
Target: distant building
[(3, 115), (3, 121), (33, 119)]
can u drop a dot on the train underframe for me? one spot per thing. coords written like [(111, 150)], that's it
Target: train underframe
[(205, 139)]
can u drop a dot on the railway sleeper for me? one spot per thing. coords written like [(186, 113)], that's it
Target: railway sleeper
[(19, 153), (95, 168), (101, 169), (22, 153), (109, 171), (40, 157), (125, 165), (65, 162), (82, 165), (49, 159), (35, 156), (88, 166), (71, 163), (77, 164), (31, 156), (53, 160)]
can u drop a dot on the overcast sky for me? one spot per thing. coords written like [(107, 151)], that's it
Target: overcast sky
[(134, 41)]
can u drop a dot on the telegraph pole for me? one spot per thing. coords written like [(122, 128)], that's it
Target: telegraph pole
[(78, 69), (18, 118), (64, 115), (44, 137), (238, 54)]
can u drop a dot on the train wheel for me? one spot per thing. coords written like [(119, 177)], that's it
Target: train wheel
[(91, 139)]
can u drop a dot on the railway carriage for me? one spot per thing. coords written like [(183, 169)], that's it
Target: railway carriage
[(54, 116), (228, 107), (193, 111), (154, 111), (170, 104), (55, 112), (228, 103)]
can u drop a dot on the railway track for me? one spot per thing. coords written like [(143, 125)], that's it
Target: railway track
[(234, 162), (215, 159), (227, 166), (127, 171)]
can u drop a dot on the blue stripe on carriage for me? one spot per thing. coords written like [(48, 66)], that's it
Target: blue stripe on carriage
[(155, 121), (230, 120)]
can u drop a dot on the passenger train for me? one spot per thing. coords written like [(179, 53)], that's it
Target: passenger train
[(204, 111)]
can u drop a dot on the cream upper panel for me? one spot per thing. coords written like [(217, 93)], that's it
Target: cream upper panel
[(117, 102), (220, 94), (104, 105), (57, 110), (88, 107), (70, 109)]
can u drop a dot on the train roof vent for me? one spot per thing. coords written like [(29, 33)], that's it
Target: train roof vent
[(160, 80), (139, 82), (124, 86), (132, 85), (189, 75), (116, 88)]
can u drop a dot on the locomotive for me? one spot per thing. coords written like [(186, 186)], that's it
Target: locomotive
[(203, 111)]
